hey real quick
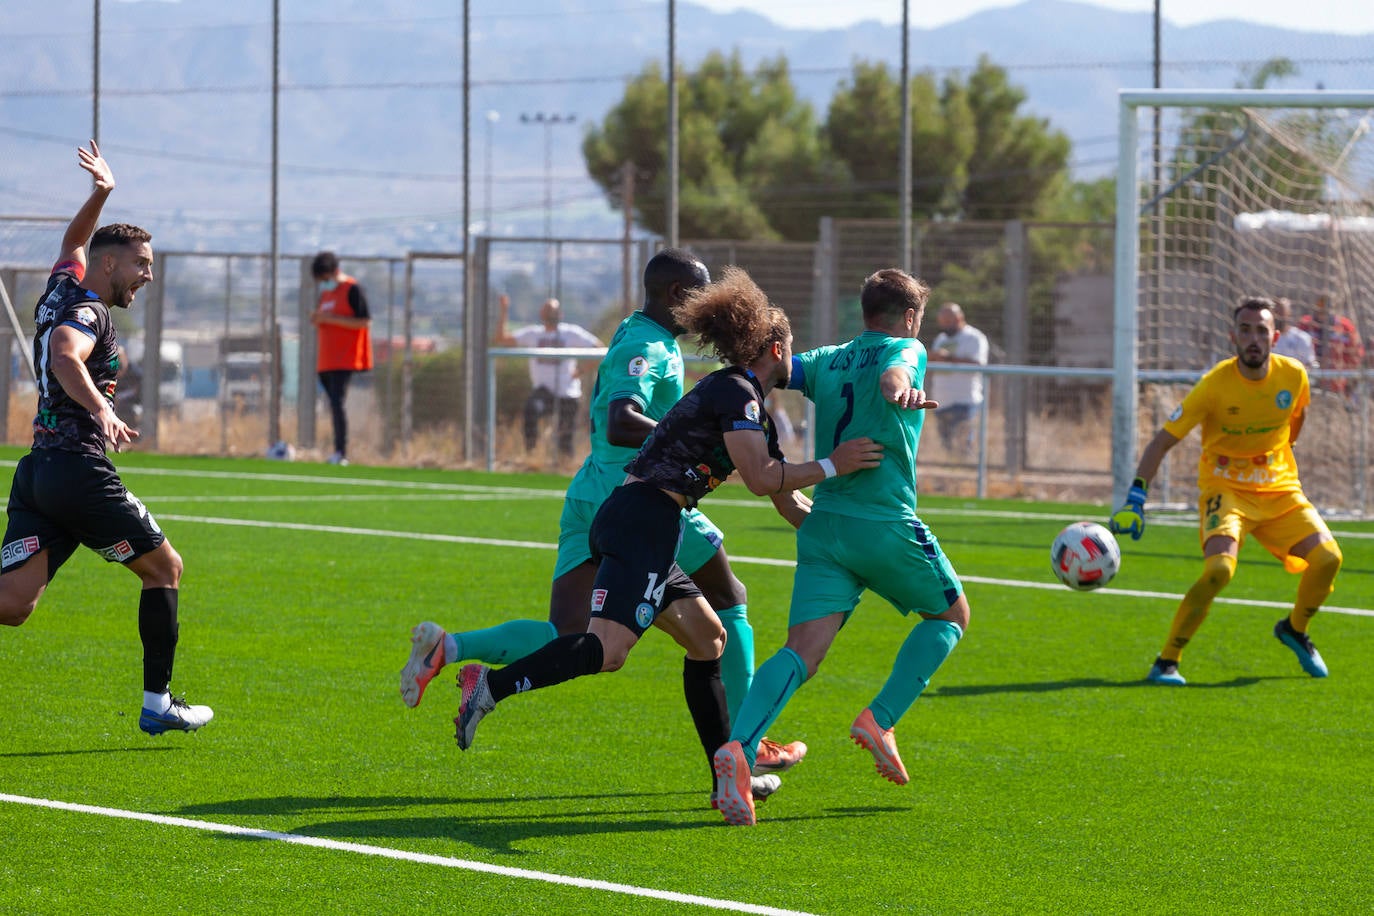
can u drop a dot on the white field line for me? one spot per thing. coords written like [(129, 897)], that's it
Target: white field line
[(481, 491), (401, 855), (1166, 521), (757, 561)]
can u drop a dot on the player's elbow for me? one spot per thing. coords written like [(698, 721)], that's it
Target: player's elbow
[(760, 487)]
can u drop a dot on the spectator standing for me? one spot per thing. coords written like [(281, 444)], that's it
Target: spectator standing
[(1293, 341), (1336, 341), (344, 341), (960, 393), (556, 383)]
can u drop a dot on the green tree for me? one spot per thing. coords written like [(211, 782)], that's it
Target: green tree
[(756, 164), (1018, 160), (973, 154), (748, 143), (863, 128)]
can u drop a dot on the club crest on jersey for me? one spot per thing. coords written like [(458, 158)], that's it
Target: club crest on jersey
[(1284, 399), (638, 366), (751, 411), (644, 615), (117, 553), (19, 551), (85, 315)]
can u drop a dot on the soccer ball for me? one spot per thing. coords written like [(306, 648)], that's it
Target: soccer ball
[(1085, 556)]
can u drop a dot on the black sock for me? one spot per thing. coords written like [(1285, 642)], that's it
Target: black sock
[(706, 702), (560, 660), (158, 628)]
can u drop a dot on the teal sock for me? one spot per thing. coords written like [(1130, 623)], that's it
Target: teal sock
[(777, 679), (737, 663), (502, 643), (924, 650)]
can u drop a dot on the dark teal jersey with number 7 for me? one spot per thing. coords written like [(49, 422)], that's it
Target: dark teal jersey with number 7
[(844, 384)]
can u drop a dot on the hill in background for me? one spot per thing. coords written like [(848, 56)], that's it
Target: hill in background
[(371, 113)]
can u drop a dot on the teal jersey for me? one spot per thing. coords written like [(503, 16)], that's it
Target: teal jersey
[(642, 363), (844, 384)]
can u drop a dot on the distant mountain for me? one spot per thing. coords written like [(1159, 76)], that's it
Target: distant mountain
[(371, 112)]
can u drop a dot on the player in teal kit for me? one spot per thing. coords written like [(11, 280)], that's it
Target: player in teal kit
[(638, 380), (862, 532)]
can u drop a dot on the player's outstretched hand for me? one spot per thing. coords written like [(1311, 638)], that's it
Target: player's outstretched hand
[(1130, 518), (92, 162), (856, 454), (914, 399)]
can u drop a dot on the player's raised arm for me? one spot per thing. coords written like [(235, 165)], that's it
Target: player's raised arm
[(83, 225)]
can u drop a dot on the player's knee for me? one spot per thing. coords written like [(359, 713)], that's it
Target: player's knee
[(716, 647), (614, 658), (171, 568), (1218, 570), (569, 620), (15, 609), (730, 594), (162, 569), (1325, 558), (707, 645), (737, 594)]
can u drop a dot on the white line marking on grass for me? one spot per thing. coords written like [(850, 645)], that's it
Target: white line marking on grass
[(1135, 593), (757, 561), (399, 854), (330, 497), (510, 492), (364, 532)]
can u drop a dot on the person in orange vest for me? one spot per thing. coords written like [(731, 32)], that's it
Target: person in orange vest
[(344, 343)]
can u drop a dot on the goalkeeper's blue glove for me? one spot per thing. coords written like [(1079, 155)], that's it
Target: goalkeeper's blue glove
[(1130, 518)]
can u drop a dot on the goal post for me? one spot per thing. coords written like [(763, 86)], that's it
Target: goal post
[(1221, 194)]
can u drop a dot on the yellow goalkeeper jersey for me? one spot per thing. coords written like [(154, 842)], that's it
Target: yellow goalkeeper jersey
[(1245, 425)]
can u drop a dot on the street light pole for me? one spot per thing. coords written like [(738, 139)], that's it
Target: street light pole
[(548, 120)]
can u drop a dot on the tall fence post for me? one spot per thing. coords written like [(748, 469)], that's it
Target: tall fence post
[(1015, 332), (306, 301), (152, 363), (7, 342)]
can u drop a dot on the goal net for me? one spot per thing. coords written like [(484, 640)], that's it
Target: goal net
[(1223, 195)]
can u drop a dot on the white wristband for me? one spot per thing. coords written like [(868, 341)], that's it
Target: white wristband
[(828, 466)]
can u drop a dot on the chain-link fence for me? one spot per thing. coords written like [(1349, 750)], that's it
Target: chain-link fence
[(1041, 292)]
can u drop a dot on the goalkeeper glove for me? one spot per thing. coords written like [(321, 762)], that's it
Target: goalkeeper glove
[(1130, 518)]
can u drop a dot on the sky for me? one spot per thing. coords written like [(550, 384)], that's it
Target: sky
[(1352, 17)]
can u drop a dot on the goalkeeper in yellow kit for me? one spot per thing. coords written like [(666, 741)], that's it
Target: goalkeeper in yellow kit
[(1251, 409)]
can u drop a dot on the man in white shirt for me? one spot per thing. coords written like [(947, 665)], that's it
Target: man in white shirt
[(556, 384), (1293, 341), (960, 393)]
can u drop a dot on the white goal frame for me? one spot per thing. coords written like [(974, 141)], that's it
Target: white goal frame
[(1126, 304)]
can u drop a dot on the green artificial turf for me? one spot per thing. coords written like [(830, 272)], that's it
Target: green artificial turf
[(1047, 776)]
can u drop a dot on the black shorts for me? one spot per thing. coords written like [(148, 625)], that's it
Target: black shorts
[(61, 499), (634, 539)]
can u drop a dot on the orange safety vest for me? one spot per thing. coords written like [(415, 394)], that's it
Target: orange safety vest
[(340, 347)]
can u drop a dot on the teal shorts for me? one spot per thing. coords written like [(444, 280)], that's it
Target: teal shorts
[(700, 538), (839, 556)]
